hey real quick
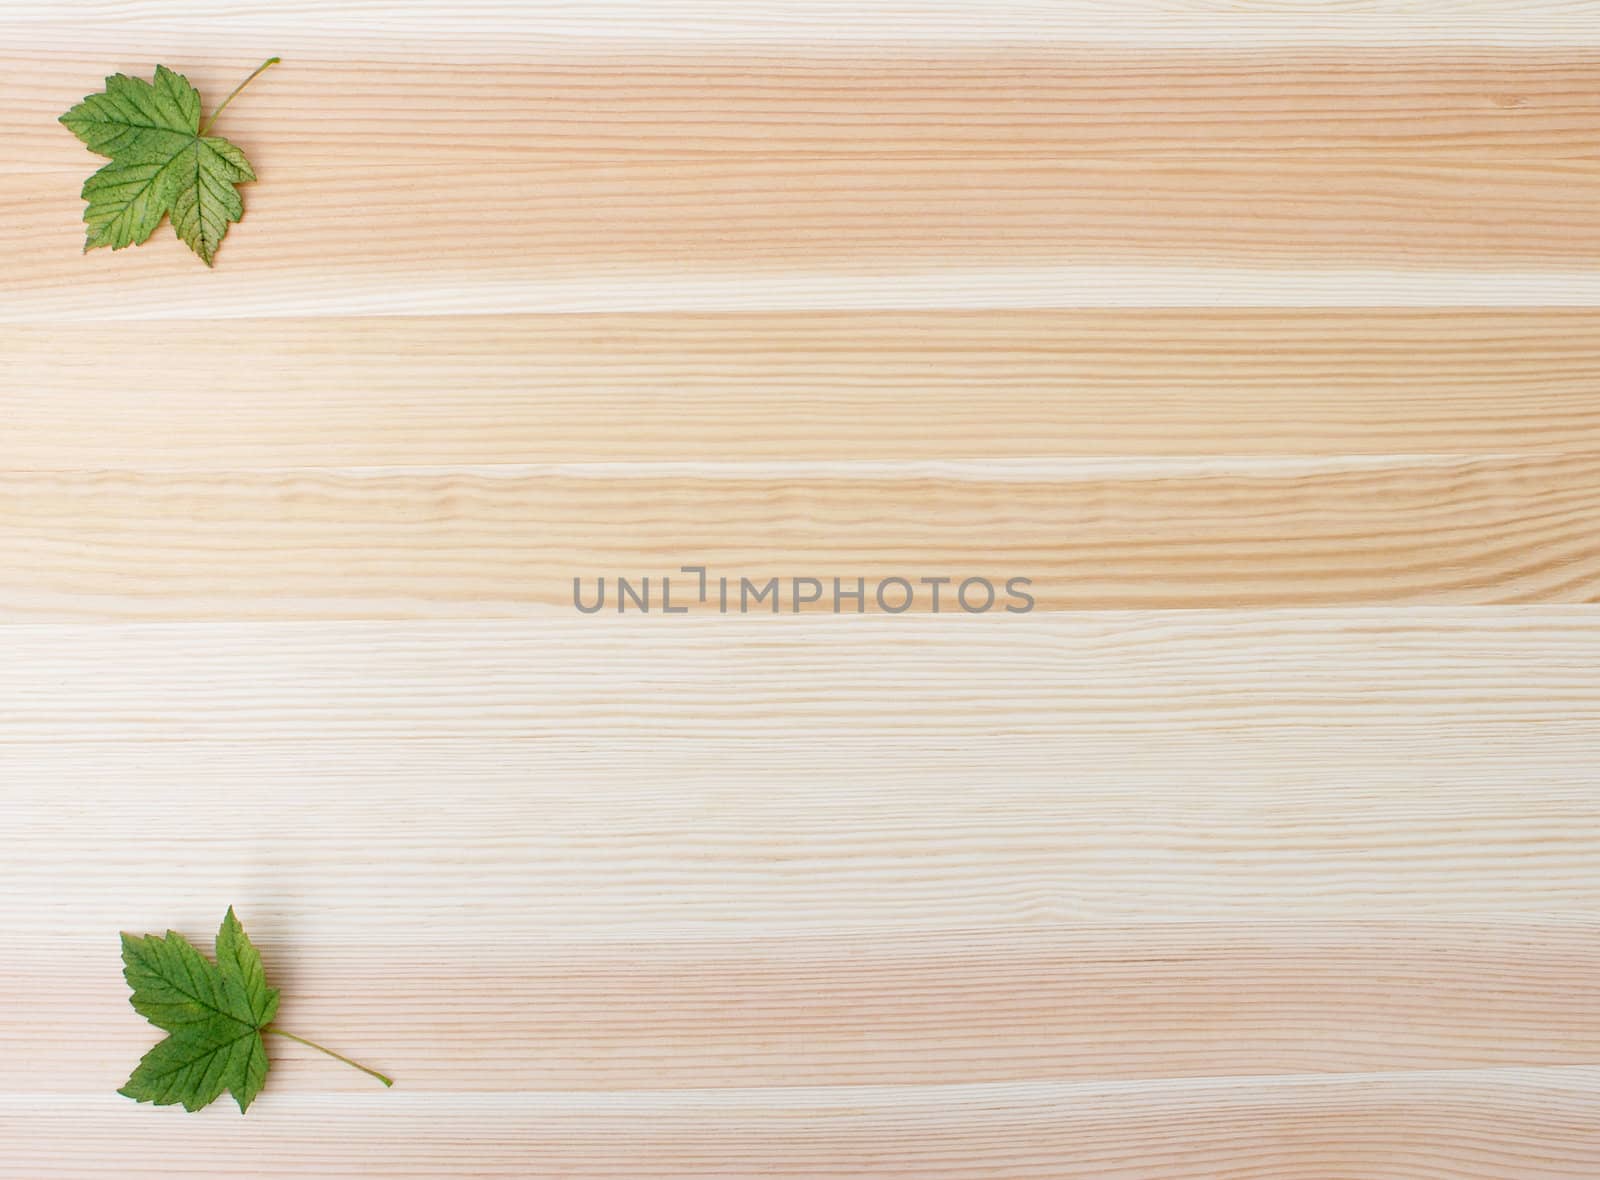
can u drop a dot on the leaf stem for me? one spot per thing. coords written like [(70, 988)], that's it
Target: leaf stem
[(273, 1029), (271, 61)]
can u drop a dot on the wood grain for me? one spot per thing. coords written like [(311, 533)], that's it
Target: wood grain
[(639, 779), (1537, 1124), (827, 167), (1478, 107), (1262, 337), (561, 219), (508, 541), (475, 28), (906, 1008), (685, 388)]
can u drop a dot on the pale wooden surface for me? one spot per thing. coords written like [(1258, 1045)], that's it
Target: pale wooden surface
[(1290, 312)]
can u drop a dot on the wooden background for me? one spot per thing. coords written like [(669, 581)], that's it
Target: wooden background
[(1264, 337)]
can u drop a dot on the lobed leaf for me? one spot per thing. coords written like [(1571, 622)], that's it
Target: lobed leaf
[(214, 1012), (243, 973), (160, 164), (132, 119)]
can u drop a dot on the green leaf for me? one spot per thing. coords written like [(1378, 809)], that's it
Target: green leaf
[(206, 201), (133, 119), (242, 972), (173, 984), (216, 1015), (162, 161), (126, 203), (194, 1066)]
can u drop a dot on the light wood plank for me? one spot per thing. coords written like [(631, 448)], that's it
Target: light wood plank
[(1071, 674), (1482, 107), (1020, 800), (1486, 164), (1066, 1002), (677, 853), (427, 390), (165, 293), (507, 541), (1511, 1124), (566, 220), (473, 28)]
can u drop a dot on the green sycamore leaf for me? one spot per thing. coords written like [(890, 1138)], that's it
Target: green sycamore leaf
[(162, 161), (216, 1015), (134, 119)]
